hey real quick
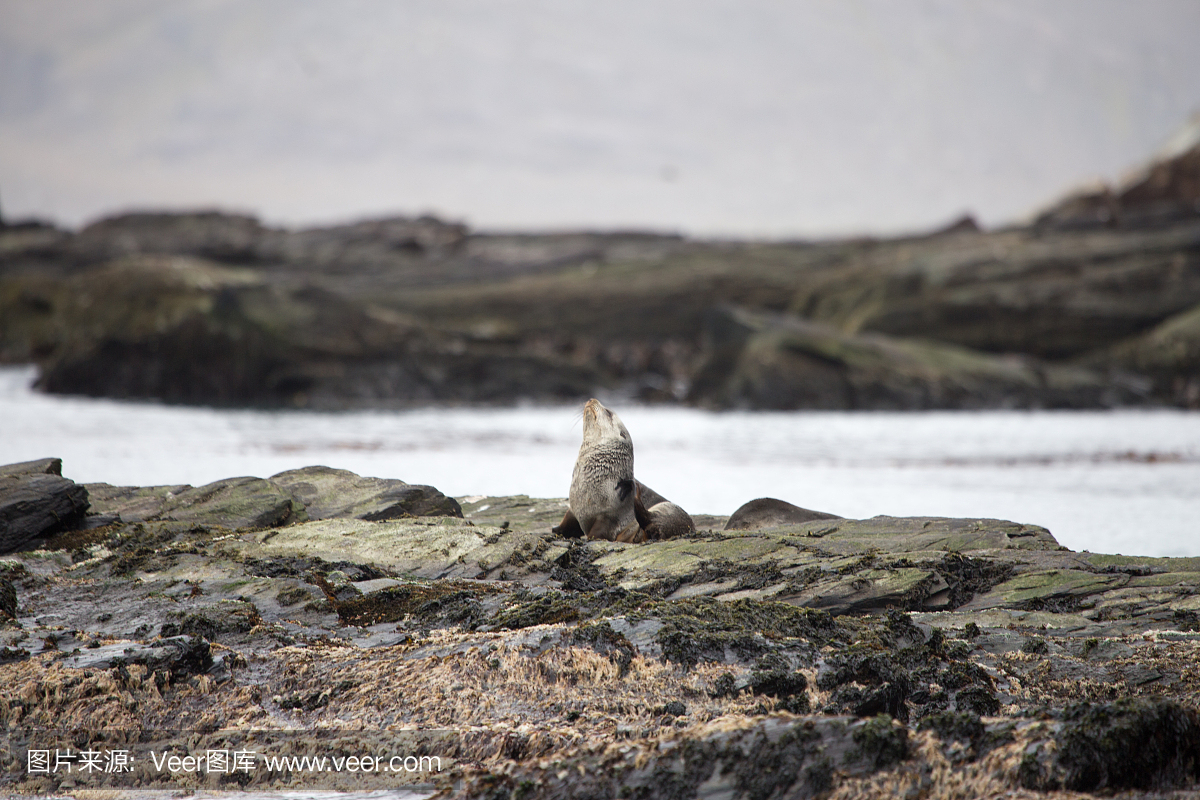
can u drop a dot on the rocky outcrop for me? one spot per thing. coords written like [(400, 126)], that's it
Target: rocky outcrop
[(36, 500), (213, 308), (327, 493), (188, 331), (783, 362), (1164, 191), (1169, 354), (869, 658)]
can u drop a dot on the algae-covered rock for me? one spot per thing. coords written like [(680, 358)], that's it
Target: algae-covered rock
[(1170, 354), (180, 655), (786, 362), (913, 534), (327, 492), (185, 330), (882, 657), (132, 503), (1148, 744), (873, 590), (234, 503), (1058, 590), (442, 549), (8, 599)]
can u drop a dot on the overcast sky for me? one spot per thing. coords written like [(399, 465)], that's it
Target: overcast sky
[(740, 117)]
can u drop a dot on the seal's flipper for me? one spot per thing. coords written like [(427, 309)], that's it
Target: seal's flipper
[(639, 511), (632, 535), (569, 527)]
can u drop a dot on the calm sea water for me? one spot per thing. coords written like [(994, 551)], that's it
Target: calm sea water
[(1119, 481)]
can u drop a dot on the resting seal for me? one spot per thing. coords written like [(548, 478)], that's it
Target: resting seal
[(770, 512), (605, 500), (602, 487), (662, 519)]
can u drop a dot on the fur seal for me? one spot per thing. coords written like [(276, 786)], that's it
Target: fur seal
[(603, 491), (768, 512), (663, 520), (606, 502)]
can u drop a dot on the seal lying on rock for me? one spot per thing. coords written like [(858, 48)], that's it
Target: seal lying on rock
[(605, 500), (768, 512), (663, 519)]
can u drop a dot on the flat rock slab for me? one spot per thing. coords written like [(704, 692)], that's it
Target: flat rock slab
[(445, 548), (37, 504), (132, 503), (179, 654), (327, 492), (234, 503), (41, 466), (910, 534), (1035, 590), (873, 590)]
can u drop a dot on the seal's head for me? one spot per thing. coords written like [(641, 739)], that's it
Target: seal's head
[(600, 423)]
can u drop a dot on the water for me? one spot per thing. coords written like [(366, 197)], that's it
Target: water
[(1117, 481)]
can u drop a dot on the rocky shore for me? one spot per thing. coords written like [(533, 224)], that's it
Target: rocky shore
[(1094, 304), (318, 612)]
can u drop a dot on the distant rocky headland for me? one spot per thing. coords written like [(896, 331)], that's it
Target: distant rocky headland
[(322, 613), (1094, 304)]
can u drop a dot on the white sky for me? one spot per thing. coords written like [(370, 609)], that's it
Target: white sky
[(740, 117)]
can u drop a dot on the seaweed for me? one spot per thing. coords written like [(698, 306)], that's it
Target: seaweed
[(550, 608), (879, 742), (703, 628), (601, 637), (455, 601), (213, 622), (1130, 744)]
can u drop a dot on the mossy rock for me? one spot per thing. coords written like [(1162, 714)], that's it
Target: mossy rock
[(327, 492), (234, 503), (443, 548), (1054, 590)]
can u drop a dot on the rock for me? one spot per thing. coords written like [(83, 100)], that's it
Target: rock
[(1165, 190), (132, 503), (786, 363), (35, 500), (1055, 590), (189, 331), (234, 503), (181, 655), (1050, 296), (983, 635), (675, 708), (1141, 744), (231, 238), (218, 309), (872, 591), (8, 599), (327, 492), (42, 466), (445, 548), (768, 512), (1169, 354)]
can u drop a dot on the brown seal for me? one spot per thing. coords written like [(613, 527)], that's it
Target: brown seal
[(602, 487), (768, 512), (658, 516), (606, 502)]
